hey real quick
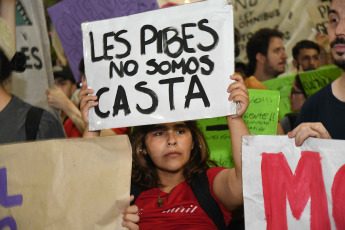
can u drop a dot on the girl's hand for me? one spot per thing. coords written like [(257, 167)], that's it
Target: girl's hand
[(130, 217), (239, 95), (86, 102)]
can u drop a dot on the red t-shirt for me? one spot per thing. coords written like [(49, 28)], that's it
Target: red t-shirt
[(180, 210), (71, 129)]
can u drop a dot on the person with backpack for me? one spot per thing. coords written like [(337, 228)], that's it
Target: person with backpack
[(170, 164), (20, 121)]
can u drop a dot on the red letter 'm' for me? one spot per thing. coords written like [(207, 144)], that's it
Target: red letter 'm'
[(278, 181)]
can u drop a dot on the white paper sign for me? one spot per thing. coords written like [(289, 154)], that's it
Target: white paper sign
[(160, 66), (289, 187), (33, 41)]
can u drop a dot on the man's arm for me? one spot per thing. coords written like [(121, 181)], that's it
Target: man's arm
[(306, 130)]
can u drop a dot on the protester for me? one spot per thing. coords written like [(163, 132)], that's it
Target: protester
[(267, 59), (167, 158), (297, 99), (60, 98), (266, 54), (20, 121), (306, 56), (327, 106)]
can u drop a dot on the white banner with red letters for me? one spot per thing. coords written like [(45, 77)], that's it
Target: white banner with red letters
[(289, 187)]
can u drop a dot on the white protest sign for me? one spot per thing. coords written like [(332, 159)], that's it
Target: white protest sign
[(160, 66), (318, 14), (289, 17), (73, 183), (289, 187), (33, 41)]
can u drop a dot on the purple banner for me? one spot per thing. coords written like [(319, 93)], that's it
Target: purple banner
[(68, 15)]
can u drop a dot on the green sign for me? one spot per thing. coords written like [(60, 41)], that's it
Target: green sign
[(261, 118), (283, 85), (313, 81), (218, 139)]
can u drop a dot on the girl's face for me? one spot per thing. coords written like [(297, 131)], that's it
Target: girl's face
[(169, 146)]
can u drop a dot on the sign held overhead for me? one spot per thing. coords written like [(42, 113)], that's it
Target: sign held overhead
[(147, 71)]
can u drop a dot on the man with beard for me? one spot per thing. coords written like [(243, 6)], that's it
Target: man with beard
[(267, 59), (266, 54), (327, 106), (306, 55)]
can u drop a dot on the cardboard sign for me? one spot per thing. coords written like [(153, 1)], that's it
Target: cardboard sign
[(33, 41), (313, 81), (68, 15), (147, 71), (283, 85), (65, 184), (261, 118), (289, 187), (318, 14)]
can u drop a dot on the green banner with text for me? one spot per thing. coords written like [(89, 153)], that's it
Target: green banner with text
[(283, 85), (313, 81), (261, 118)]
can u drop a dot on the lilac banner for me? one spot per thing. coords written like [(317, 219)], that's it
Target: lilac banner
[(68, 15)]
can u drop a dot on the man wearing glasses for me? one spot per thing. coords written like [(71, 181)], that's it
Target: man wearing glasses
[(297, 98)]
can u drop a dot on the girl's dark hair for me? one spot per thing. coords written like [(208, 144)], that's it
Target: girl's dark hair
[(144, 172), (18, 63)]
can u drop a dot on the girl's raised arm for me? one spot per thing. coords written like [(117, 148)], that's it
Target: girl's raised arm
[(227, 185)]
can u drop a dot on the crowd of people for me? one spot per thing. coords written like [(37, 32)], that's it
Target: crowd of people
[(170, 159)]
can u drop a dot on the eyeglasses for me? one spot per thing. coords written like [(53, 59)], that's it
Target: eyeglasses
[(293, 91)]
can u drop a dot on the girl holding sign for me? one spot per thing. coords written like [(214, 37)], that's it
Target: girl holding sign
[(169, 158)]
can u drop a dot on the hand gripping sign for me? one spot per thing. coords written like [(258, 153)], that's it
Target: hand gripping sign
[(160, 66)]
